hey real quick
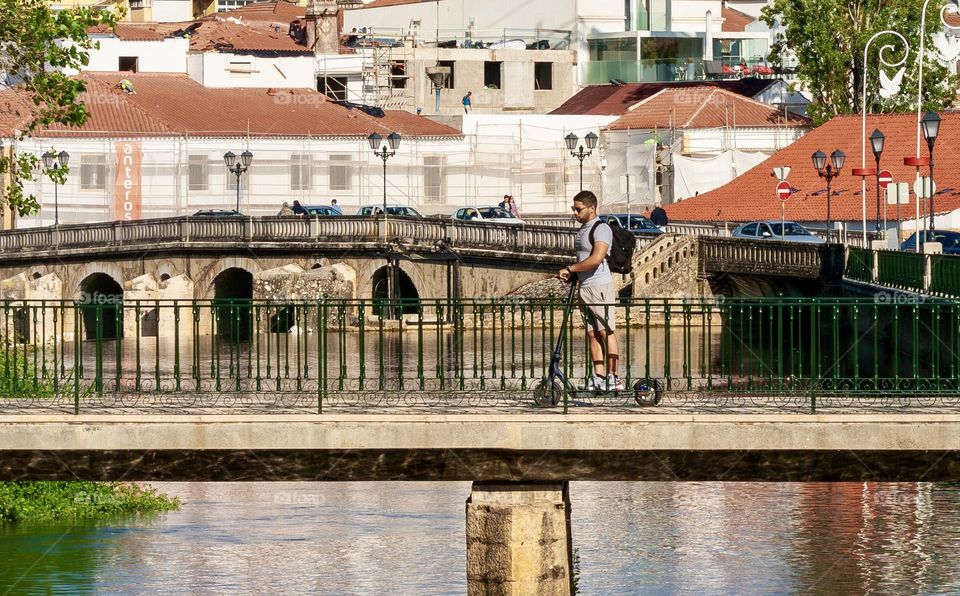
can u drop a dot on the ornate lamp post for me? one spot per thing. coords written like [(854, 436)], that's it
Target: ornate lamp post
[(380, 150), (876, 143), (52, 162), (931, 128), (238, 168), (572, 140), (829, 171), (888, 88)]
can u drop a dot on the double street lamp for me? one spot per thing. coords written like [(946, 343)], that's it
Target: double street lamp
[(380, 150), (829, 171), (51, 162), (572, 140), (238, 168)]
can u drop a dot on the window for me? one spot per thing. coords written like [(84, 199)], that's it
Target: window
[(341, 172), (398, 74), (552, 179), (232, 180), (543, 75), (93, 172), (492, 75), (300, 172), (224, 5), (333, 87), (127, 64), (435, 178), (240, 69), (197, 170), (750, 230), (449, 83)]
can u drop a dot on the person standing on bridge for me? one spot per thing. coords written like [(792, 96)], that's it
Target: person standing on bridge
[(598, 297)]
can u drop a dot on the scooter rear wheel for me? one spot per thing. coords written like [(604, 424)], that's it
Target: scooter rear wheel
[(548, 394)]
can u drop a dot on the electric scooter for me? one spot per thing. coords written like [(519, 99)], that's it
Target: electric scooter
[(549, 391)]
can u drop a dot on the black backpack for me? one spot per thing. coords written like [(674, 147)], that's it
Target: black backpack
[(620, 259)]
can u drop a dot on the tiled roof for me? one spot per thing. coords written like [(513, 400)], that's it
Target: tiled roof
[(279, 11), (615, 100), (751, 195), (173, 104), (215, 33), (734, 20), (703, 107)]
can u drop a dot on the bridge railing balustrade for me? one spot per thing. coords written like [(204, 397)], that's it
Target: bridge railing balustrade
[(787, 354)]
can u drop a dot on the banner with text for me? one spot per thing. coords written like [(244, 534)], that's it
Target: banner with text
[(127, 191)]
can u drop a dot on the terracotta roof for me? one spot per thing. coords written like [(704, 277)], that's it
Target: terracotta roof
[(279, 11), (703, 107), (167, 104), (214, 33), (751, 196), (615, 100), (734, 20)]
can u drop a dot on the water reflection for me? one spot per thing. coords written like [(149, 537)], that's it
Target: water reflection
[(633, 537)]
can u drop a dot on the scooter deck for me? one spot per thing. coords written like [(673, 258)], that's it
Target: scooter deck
[(640, 398)]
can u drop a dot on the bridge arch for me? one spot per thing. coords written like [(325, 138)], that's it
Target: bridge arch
[(101, 304), (406, 290), (232, 297)]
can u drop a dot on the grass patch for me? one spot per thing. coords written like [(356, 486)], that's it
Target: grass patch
[(49, 501)]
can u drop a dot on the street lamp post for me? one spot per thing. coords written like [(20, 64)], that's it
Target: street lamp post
[(238, 168), (578, 152), (931, 128), (55, 161), (888, 88), (876, 143), (828, 171), (380, 150)]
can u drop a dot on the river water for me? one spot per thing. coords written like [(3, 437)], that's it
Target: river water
[(408, 538)]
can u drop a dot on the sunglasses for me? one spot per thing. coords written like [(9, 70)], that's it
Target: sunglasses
[(579, 209)]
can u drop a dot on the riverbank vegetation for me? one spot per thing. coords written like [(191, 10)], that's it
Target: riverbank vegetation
[(49, 501)]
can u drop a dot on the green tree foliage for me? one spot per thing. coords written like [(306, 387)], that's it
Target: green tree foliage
[(48, 501), (37, 44), (827, 39)]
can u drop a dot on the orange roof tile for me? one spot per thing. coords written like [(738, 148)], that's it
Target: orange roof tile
[(751, 195), (214, 33), (615, 100), (279, 11), (734, 20), (703, 107), (167, 104)]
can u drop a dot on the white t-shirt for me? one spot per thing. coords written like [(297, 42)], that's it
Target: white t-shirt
[(601, 275)]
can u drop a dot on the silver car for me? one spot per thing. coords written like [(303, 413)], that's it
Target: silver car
[(789, 231)]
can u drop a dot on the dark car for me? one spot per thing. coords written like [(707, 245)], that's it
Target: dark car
[(218, 213), (638, 224), (322, 210), (949, 240)]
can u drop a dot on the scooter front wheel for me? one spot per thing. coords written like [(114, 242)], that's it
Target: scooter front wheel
[(548, 392), (648, 392)]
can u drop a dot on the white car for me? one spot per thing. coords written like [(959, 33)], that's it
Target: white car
[(490, 214)]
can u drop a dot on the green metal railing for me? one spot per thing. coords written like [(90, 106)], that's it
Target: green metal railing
[(860, 264), (900, 269), (945, 274), (215, 355)]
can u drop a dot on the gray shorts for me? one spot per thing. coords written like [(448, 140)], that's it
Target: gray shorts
[(598, 306)]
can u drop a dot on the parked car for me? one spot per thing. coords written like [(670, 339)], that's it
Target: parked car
[(789, 231), (949, 240), (638, 224), (490, 214), (218, 213), (322, 210), (395, 210)]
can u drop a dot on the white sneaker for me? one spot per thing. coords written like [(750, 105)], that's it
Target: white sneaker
[(595, 383), (614, 383)]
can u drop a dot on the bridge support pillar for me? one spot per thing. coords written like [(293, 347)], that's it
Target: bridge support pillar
[(518, 539)]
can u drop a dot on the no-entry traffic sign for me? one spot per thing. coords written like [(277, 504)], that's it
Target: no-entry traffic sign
[(884, 178), (783, 191)]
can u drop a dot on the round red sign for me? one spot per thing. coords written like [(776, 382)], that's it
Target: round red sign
[(783, 191), (884, 178)]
